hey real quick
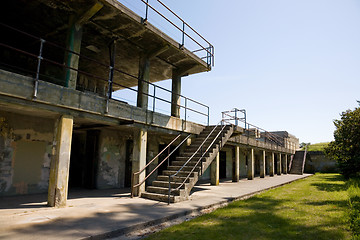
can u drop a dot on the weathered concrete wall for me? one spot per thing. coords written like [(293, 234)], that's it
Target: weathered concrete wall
[(316, 161), (26, 145), (112, 154)]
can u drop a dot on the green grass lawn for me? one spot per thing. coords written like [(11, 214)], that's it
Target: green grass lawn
[(312, 208)]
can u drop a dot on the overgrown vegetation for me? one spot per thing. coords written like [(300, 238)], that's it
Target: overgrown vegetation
[(354, 207), (313, 208), (345, 149)]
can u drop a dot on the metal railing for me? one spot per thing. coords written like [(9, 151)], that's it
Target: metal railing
[(134, 186), (233, 117), (43, 59), (205, 52), (203, 153)]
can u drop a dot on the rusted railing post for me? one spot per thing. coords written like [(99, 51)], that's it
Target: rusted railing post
[(36, 84)]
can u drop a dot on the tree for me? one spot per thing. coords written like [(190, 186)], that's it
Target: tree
[(345, 149)]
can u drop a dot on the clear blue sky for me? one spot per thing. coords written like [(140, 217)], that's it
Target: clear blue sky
[(293, 65)]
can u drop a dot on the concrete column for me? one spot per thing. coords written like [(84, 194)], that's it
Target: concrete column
[(262, 164), (251, 164), (143, 87), (59, 169), (215, 170), (236, 171), (285, 165), (175, 94), (279, 164), (139, 158), (272, 164), (242, 165), (73, 43)]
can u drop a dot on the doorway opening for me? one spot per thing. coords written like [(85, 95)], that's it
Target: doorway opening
[(222, 165), (83, 159)]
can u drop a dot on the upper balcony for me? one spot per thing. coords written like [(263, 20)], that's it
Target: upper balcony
[(134, 35), (35, 43)]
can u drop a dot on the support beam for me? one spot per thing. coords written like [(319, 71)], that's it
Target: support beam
[(215, 170), (251, 164), (176, 89), (175, 94), (139, 158), (144, 76), (73, 43), (279, 164), (143, 85), (262, 164), (59, 168), (236, 170), (272, 164)]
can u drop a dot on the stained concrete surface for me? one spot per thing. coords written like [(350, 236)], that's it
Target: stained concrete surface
[(110, 213)]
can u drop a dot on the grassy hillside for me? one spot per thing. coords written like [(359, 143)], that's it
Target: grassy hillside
[(317, 146)]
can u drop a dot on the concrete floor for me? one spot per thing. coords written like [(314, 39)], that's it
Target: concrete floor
[(110, 213)]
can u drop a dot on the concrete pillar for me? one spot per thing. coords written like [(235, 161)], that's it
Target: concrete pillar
[(175, 94), (251, 164), (242, 165), (236, 171), (143, 87), (285, 165), (279, 164), (272, 164), (139, 158), (215, 170), (262, 164), (59, 168), (73, 43)]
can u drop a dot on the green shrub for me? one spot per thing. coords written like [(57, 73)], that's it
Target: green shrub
[(345, 149), (354, 207)]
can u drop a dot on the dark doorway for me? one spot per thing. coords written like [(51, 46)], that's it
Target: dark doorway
[(275, 164), (128, 162), (83, 159), (164, 155), (257, 165), (222, 165)]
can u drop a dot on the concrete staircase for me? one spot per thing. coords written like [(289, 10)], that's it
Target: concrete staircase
[(297, 165), (159, 188)]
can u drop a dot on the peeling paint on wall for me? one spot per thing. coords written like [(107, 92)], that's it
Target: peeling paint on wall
[(25, 153)]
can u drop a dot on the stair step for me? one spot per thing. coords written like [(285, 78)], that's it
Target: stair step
[(184, 159), (181, 163), (165, 184), (162, 190), (161, 197), (198, 154), (178, 179), (186, 168), (180, 174)]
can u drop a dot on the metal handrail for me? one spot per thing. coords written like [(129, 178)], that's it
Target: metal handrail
[(304, 160), (200, 160), (273, 137), (152, 160), (40, 58), (209, 50), (200, 147)]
